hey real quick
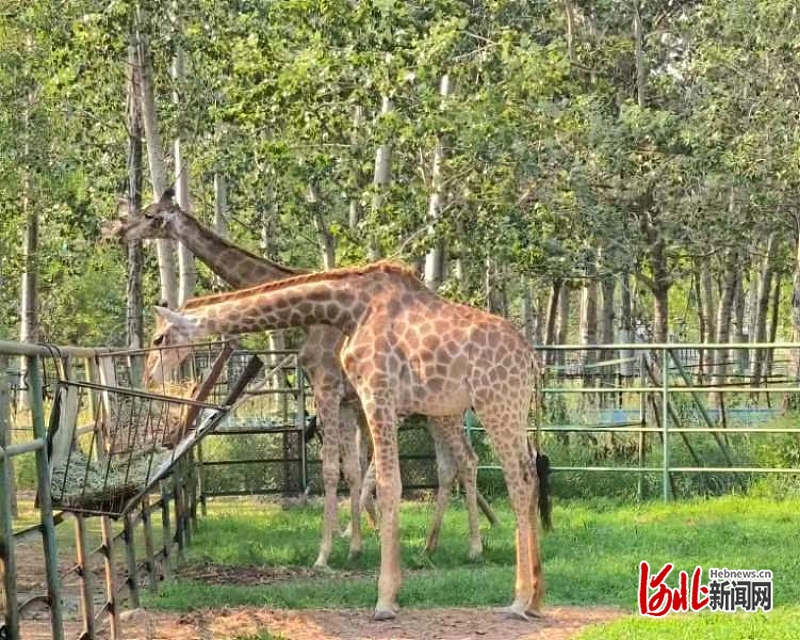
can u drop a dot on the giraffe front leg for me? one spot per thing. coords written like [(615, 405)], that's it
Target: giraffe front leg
[(328, 413), (351, 462)]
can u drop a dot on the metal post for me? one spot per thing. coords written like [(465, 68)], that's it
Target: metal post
[(45, 502), (301, 418), (86, 578), (8, 567), (130, 555), (165, 528), (201, 482), (665, 421), (147, 528), (642, 435), (111, 578)]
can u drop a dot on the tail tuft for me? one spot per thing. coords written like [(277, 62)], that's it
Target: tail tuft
[(545, 504)]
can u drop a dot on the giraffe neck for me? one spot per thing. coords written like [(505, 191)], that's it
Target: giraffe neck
[(237, 267), (337, 303)]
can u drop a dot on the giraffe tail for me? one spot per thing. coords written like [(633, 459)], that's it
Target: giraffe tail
[(545, 504)]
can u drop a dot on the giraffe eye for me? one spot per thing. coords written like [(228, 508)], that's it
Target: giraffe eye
[(158, 340)]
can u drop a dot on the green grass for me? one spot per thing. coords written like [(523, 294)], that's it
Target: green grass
[(591, 558)]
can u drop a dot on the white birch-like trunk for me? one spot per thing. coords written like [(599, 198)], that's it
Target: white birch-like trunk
[(165, 248), (186, 269), (134, 298), (381, 180), (434, 260)]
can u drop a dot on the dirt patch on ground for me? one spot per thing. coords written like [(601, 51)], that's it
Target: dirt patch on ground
[(356, 624)]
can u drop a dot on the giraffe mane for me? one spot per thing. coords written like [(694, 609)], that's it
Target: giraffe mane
[(382, 266)]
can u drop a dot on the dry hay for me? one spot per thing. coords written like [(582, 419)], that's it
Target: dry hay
[(84, 482)]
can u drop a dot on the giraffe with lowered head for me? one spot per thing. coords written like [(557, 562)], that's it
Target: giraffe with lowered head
[(407, 350), (338, 408)]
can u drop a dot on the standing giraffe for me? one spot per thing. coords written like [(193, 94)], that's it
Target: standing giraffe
[(337, 404), (409, 351)]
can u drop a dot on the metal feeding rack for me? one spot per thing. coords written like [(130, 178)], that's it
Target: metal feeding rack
[(132, 440)]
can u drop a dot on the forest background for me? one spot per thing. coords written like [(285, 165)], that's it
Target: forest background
[(591, 169)]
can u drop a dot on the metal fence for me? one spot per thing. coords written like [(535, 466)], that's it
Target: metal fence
[(668, 410)]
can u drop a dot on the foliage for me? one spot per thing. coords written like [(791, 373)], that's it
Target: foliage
[(565, 152)]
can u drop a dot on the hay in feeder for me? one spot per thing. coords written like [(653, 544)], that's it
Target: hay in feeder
[(85, 483)]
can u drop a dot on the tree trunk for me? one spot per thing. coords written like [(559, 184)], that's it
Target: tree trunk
[(354, 213), (724, 315), (738, 356), (166, 260), (186, 269), (531, 322), (761, 306), (434, 260), (625, 324), (588, 327), (220, 204), (773, 324), (569, 12), (29, 315), (795, 373), (708, 304), (135, 299), (641, 69), (381, 180), (562, 326), (550, 324), (327, 242), (495, 294)]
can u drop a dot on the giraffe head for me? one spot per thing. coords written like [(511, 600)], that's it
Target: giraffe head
[(170, 345), (154, 222)]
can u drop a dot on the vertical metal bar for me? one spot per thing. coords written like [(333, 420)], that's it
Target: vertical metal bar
[(111, 578), (85, 575), (665, 421), (45, 502), (8, 567), (130, 556), (301, 416), (186, 492), (5, 432), (642, 434), (177, 498), (147, 528), (201, 481), (165, 527)]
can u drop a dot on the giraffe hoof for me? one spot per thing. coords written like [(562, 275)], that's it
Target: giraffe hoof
[(354, 554), (514, 611), (476, 554), (534, 613), (322, 565), (384, 614)]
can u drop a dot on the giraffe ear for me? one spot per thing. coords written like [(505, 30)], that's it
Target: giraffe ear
[(186, 325)]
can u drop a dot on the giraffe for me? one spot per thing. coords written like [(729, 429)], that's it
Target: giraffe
[(408, 350), (337, 404)]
